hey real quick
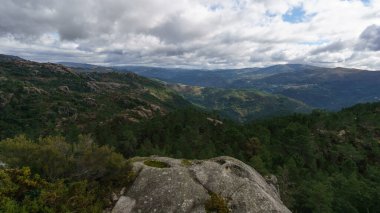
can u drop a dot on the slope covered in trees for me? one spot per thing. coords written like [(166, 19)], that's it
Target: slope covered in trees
[(241, 104), (43, 99), (325, 162)]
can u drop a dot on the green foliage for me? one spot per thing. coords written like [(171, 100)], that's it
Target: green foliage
[(54, 158), (23, 192), (186, 163), (67, 177), (257, 163)]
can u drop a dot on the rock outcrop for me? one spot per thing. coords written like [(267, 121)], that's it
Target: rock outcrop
[(221, 184)]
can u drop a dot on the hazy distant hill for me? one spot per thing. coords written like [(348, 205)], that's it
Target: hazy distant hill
[(327, 88), (223, 78), (80, 67), (321, 87), (241, 104)]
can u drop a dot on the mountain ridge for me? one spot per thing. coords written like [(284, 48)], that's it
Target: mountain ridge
[(59, 96)]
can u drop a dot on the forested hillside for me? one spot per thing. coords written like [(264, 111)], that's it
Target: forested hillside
[(237, 104), (43, 99), (241, 104), (325, 162)]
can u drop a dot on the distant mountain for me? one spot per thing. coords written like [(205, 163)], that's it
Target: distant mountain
[(44, 98), (326, 88), (222, 78), (9, 58), (194, 77), (241, 104), (80, 67)]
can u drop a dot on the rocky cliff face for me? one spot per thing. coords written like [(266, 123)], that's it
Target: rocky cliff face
[(221, 184)]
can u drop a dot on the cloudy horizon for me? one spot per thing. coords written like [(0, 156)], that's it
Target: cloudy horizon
[(194, 33)]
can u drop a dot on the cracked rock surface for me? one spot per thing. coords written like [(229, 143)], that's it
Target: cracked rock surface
[(186, 186)]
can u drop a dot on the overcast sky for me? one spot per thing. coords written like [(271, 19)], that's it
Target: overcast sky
[(194, 33)]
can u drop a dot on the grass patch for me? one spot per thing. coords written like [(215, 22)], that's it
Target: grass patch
[(217, 204), (157, 164)]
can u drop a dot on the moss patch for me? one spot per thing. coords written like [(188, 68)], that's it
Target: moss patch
[(186, 163), (157, 164), (216, 204)]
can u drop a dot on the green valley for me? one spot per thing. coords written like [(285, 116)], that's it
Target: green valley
[(241, 104)]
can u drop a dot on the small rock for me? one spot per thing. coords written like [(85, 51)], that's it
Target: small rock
[(214, 121), (342, 133), (124, 205), (114, 196), (64, 89)]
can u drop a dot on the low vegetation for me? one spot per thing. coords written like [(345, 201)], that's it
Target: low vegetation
[(157, 164), (216, 204), (51, 175), (186, 163)]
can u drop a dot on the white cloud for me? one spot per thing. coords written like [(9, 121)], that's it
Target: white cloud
[(192, 33)]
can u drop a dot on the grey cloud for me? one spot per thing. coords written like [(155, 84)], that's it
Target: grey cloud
[(160, 32), (73, 32), (113, 52), (179, 29), (257, 58), (171, 51), (369, 39), (333, 47), (24, 19), (279, 56)]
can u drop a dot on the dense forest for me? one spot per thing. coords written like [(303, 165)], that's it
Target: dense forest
[(325, 162), (66, 149)]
